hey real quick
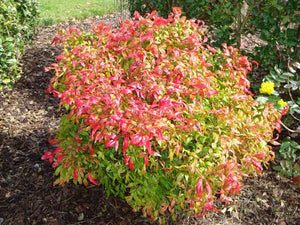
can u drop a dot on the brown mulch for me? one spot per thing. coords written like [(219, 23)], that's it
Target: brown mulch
[(29, 116)]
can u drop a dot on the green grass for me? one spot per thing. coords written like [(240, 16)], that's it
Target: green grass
[(55, 11)]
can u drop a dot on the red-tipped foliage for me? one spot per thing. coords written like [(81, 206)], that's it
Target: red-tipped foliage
[(158, 115)]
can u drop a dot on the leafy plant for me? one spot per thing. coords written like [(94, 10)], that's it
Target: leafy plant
[(157, 115), (17, 21), (276, 23), (289, 155), (288, 86)]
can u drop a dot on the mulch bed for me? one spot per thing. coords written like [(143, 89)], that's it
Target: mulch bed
[(29, 116)]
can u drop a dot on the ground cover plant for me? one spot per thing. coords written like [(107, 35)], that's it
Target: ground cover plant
[(157, 115), (54, 11)]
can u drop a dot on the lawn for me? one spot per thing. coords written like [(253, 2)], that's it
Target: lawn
[(55, 11)]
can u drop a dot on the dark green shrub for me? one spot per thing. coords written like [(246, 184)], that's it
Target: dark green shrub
[(278, 24), (148, 6), (157, 116), (219, 14), (17, 21), (275, 22)]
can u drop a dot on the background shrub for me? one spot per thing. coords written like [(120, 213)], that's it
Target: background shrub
[(17, 21), (275, 22), (157, 116)]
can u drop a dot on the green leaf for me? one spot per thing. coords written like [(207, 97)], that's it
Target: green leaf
[(57, 171), (80, 217), (287, 74), (295, 145), (291, 69), (277, 70), (6, 80), (277, 168)]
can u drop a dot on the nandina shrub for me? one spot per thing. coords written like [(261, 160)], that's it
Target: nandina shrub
[(157, 116)]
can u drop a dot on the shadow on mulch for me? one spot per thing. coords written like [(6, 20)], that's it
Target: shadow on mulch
[(28, 197)]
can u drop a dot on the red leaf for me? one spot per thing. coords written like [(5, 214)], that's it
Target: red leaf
[(200, 85), (75, 174), (208, 189), (141, 154), (258, 166), (199, 187), (160, 21), (91, 179), (177, 11), (164, 207), (253, 61), (116, 145), (52, 141), (259, 155), (126, 91), (55, 40), (125, 144), (109, 143), (137, 15), (131, 165), (148, 36), (55, 164), (48, 155), (274, 142), (146, 160), (59, 158), (126, 159), (225, 198), (211, 92), (210, 206), (277, 126), (136, 139), (155, 154), (232, 183), (165, 101), (296, 179), (211, 49), (48, 90), (56, 94), (60, 57), (202, 94), (148, 146), (285, 110)]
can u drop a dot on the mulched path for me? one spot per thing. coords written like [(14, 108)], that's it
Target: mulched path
[(29, 116)]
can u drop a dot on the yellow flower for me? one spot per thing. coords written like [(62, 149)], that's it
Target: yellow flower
[(282, 103), (267, 88)]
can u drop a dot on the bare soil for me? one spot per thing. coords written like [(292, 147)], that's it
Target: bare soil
[(29, 116)]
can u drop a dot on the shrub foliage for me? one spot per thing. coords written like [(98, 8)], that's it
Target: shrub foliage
[(17, 21), (157, 115)]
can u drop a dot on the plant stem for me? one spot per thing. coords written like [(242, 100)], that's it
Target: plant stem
[(290, 130)]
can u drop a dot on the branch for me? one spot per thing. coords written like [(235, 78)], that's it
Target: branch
[(290, 130)]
